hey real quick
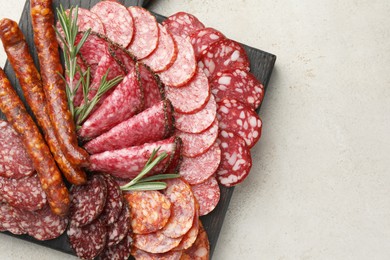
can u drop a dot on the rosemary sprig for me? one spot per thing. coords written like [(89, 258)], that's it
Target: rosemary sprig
[(153, 182)]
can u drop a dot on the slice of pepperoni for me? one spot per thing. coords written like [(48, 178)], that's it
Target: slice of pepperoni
[(117, 231), (153, 89), (156, 243), (182, 24), (120, 251), (203, 38), (139, 254), (207, 194), (114, 201), (200, 250)]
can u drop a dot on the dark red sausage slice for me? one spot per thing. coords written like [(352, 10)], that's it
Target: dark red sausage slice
[(124, 58), (182, 24), (207, 194), (153, 89), (203, 38), (94, 48), (114, 201), (9, 220), (118, 230), (120, 251)]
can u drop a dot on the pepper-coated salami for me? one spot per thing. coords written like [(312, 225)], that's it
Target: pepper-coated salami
[(207, 194), (223, 55), (88, 241), (114, 201), (42, 19), (123, 57), (150, 211), (236, 159), (240, 119), (88, 201), (153, 89), (120, 251), (199, 121), (43, 162), (183, 208), (200, 250), (165, 54), (9, 220), (238, 84), (19, 56), (93, 49), (203, 38), (145, 37), (127, 163), (117, 21), (198, 169), (197, 144), (156, 242), (155, 121), (192, 97), (190, 237), (25, 193), (177, 158), (118, 230), (139, 254), (182, 24), (14, 160), (184, 67)]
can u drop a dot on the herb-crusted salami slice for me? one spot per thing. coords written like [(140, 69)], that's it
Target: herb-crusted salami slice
[(145, 38), (14, 160), (117, 231), (155, 243), (192, 97), (94, 48), (150, 211), (139, 254), (240, 119), (88, 201), (153, 89), (207, 194), (120, 251), (203, 38), (200, 250), (123, 57), (117, 20), (236, 159), (9, 220), (182, 24), (114, 201)]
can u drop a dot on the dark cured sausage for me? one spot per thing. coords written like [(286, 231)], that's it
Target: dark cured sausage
[(18, 54), (42, 18), (48, 173)]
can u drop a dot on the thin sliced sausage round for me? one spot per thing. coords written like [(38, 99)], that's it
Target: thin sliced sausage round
[(207, 194), (200, 250), (139, 254), (156, 242), (9, 220), (203, 38), (114, 201), (120, 251), (182, 24), (117, 231)]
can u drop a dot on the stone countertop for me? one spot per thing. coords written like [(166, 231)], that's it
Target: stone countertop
[(320, 183)]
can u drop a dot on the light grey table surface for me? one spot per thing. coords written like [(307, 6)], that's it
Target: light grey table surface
[(320, 182)]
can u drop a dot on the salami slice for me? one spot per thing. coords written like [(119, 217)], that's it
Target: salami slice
[(9, 220), (139, 254), (153, 89), (198, 169), (183, 208), (192, 97), (175, 164), (240, 119), (197, 144), (199, 121), (117, 231), (200, 250), (114, 201), (93, 49), (156, 121), (88, 201), (207, 194), (238, 84), (124, 102), (182, 24), (155, 243), (14, 160), (25, 193), (150, 211), (203, 38), (117, 20), (236, 159), (190, 237), (145, 38), (124, 58), (184, 67), (127, 163), (165, 54), (88, 241), (223, 55), (120, 251)]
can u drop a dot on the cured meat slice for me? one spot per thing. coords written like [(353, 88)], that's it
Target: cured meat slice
[(92, 51), (124, 58), (207, 194), (124, 102), (88, 241), (145, 38), (114, 201), (240, 119), (199, 121), (175, 164), (42, 224), (25, 193), (127, 163), (183, 208), (190, 237), (117, 20), (156, 121), (155, 243), (117, 231), (192, 97), (223, 55), (88, 201), (203, 38), (182, 24), (197, 144), (184, 67), (120, 251), (139, 254), (198, 169), (236, 159), (9, 220), (238, 84), (14, 160), (150, 211), (165, 54), (200, 250), (153, 89)]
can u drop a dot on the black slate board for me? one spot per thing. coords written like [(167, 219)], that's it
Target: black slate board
[(262, 64)]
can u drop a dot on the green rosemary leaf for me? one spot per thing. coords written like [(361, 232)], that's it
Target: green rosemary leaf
[(159, 177), (146, 186)]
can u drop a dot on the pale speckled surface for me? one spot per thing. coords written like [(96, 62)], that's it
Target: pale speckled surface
[(319, 187)]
